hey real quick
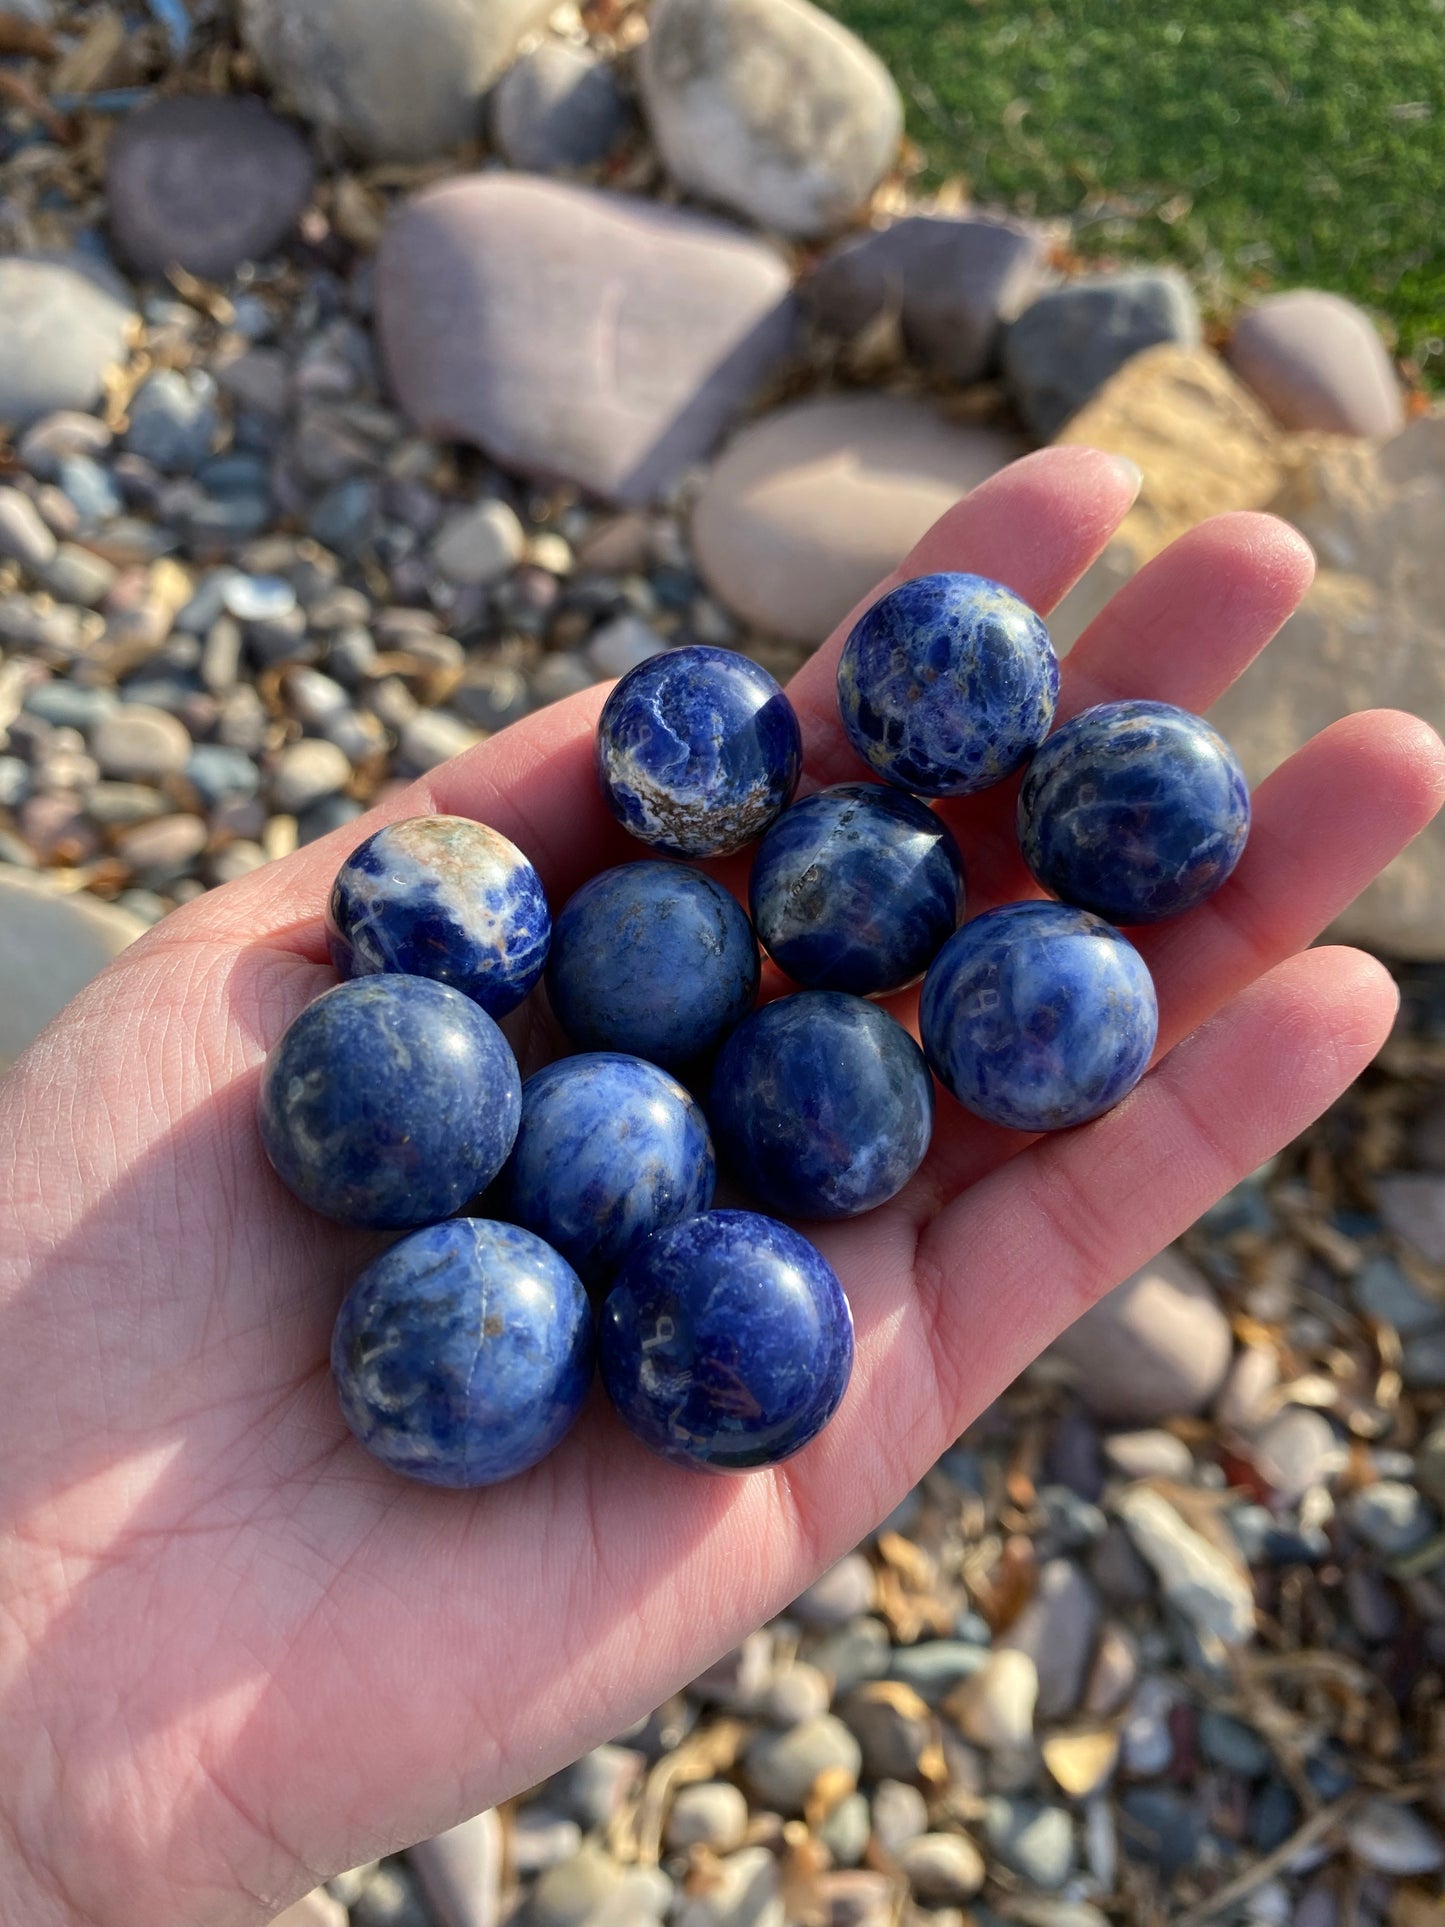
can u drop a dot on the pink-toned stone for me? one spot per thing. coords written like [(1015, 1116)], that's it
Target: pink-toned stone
[(1316, 361), (1158, 1346), (576, 336)]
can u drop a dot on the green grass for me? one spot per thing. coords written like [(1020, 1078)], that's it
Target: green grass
[(1258, 144)]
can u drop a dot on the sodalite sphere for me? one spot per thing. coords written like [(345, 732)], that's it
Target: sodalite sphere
[(462, 1355), (1134, 810), (1038, 1016), (389, 1102), (726, 1342), (856, 889), (947, 684), (609, 1150), (821, 1105), (442, 897), (697, 751), (652, 959)]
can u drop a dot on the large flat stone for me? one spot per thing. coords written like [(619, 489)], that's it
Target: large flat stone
[(51, 945), (573, 335), (808, 508)]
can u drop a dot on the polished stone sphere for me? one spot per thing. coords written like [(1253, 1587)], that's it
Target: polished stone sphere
[(1038, 1016), (1134, 810), (653, 959), (462, 1355), (856, 888), (609, 1149), (947, 684), (442, 897), (389, 1102), (698, 750), (726, 1342), (821, 1105)]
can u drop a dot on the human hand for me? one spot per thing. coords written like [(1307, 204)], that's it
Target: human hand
[(235, 1653)]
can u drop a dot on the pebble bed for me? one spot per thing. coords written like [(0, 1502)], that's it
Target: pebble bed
[(1163, 1635)]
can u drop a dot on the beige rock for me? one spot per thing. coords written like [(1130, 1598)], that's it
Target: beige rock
[(50, 948), (1081, 1761), (1156, 1347), (809, 507), (1317, 361), (995, 1708)]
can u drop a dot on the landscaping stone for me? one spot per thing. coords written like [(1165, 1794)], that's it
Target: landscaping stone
[(1064, 347), (556, 108), (1155, 1347), (63, 322), (204, 184), (952, 281), (936, 1666), (1149, 1454), (846, 1830), (768, 107), (1316, 361), (810, 507), (51, 945), (173, 421), (479, 282)]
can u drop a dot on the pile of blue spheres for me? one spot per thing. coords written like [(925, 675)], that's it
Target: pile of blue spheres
[(565, 1227)]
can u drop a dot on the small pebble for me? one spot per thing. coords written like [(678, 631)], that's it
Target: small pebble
[(1149, 1455), (942, 1866), (846, 1830), (24, 538), (621, 644), (541, 1839), (710, 1814), (795, 1693), (744, 1890), (138, 743), (1391, 1517), (480, 545), (307, 771), (595, 1787), (432, 737), (1032, 1839), (900, 1814), (784, 1767), (995, 1708), (1395, 1839), (843, 1593)]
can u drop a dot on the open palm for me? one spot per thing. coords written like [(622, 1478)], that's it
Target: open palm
[(235, 1654)]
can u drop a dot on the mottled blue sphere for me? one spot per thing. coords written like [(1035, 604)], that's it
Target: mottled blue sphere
[(856, 889), (609, 1150), (822, 1105), (389, 1102), (442, 897), (1134, 810), (653, 959), (947, 684), (697, 751), (1038, 1016), (726, 1342), (463, 1354)]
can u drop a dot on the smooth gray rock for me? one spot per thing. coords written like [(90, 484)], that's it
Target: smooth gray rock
[(1151, 1454), (1233, 1745), (893, 1728), (140, 744), (745, 1891), (1057, 1629), (1156, 1347), (1034, 1840), (842, 1593), (936, 1666), (1296, 1450), (460, 1872), (1063, 348), (1391, 1516), (50, 948), (1162, 1826), (1395, 1840), (541, 1839), (1316, 361), (852, 1654), (63, 322), (900, 1814), (1382, 1291), (204, 184), (173, 420), (770, 108), (942, 1867), (846, 1830), (24, 538), (306, 772), (390, 82), (480, 286), (951, 280), (784, 1766), (593, 1788), (557, 107), (1412, 1205), (712, 1814), (1197, 1578)]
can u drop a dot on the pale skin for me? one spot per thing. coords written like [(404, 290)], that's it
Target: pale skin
[(235, 1654)]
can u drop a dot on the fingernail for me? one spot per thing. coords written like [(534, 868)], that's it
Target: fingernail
[(1132, 474)]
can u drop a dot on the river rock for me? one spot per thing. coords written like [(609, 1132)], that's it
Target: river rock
[(50, 948), (460, 1872), (24, 538), (770, 108), (204, 184), (1057, 1630), (900, 1814), (1295, 1451), (942, 1866), (951, 280), (557, 107), (480, 544), (711, 1814), (807, 509), (1156, 1347), (1370, 633), (480, 282), (64, 321), (783, 1767), (1066, 344), (838, 1595), (140, 744), (1034, 1840), (745, 1890), (893, 1726), (1150, 1454), (1199, 1580), (995, 1707), (1316, 361), (392, 83)]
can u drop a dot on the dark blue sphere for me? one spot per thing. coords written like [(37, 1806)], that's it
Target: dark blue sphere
[(697, 751), (653, 959), (442, 897), (1134, 810), (463, 1354), (856, 889), (1038, 1016), (726, 1342), (822, 1105), (609, 1149), (390, 1102), (947, 684)]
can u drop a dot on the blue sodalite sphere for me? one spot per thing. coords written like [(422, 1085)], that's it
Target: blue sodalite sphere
[(822, 1105), (1038, 1016), (1134, 810), (726, 1342), (442, 897), (947, 684), (390, 1102), (856, 889), (697, 751), (609, 1149), (463, 1354), (653, 959)]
